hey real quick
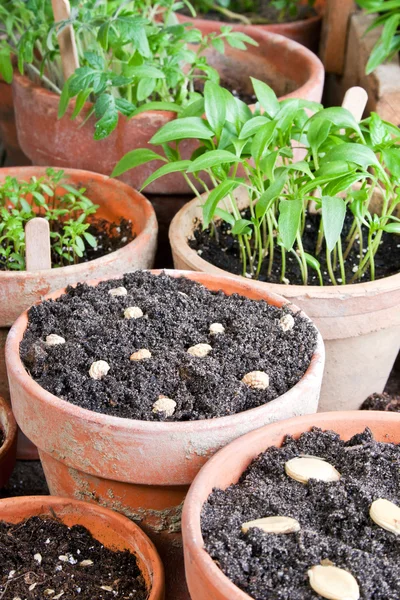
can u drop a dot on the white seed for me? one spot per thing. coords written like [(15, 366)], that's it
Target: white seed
[(141, 354), (49, 592), (216, 328), (257, 380), (386, 514), (276, 524), (119, 291), (63, 558), (133, 312), (58, 596), (99, 369), (333, 583), (286, 323), (164, 405), (86, 563), (200, 350), (38, 558), (303, 468), (107, 588), (11, 574), (32, 587), (54, 340)]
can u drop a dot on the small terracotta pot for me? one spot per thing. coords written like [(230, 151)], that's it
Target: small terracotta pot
[(19, 290), (111, 529), (205, 580), (360, 323), (8, 449), (291, 69), (141, 468), (8, 129)]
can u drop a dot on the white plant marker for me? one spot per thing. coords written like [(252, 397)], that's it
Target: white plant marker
[(66, 38), (37, 245)]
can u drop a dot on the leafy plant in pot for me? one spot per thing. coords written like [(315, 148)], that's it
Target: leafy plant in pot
[(345, 190), (170, 367)]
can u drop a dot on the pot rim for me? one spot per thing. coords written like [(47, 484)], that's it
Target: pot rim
[(191, 526), (136, 197), (155, 568), (10, 431), (16, 367)]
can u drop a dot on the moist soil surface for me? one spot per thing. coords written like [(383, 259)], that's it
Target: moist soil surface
[(384, 401), (177, 314), (262, 13), (62, 550), (334, 520), (27, 479), (223, 252)]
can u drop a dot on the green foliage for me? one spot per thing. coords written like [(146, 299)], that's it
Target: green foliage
[(66, 208), (387, 16), (344, 164), (248, 11)]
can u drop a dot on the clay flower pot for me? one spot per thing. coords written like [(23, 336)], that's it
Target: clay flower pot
[(141, 468), (8, 449), (291, 70), (8, 129), (18, 290), (360, 323), (205, 580), (111, 529)]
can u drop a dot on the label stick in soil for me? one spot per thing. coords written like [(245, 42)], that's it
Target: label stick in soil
[(37, 240), (66, 38), (355, 100)]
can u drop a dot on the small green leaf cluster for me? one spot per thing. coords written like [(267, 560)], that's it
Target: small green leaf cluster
[(344, 164), (388, 16), (65, 207)]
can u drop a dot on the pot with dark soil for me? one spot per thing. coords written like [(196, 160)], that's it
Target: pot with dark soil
[(58, 548), (148, 376), (8, 442), (302, 509)]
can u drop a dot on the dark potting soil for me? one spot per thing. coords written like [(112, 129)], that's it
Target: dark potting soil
[(2, 437), (334, 520), (259, 13), (27, 479), (224, 252), (177, 315), (44, 554), (384, 401)]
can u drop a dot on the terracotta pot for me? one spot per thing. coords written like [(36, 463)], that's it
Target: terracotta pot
[(18, 290), (291, 69), (8, 129), (205, 580), (360, 323), (8, 449), (141, 468), (111, 529), (305, 31)]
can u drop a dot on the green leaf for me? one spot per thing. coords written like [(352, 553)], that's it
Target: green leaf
[(261, 141), (211, 159), (6, 68), (333, 214), (80, 102), (225, 216), (145, 88), (145, 71), (64, 101), (391, 157), (312, 261), (318, 131), (175, 167), (214, 103), (266, 97), (252, 126), (289, 221), (161, 106), (214, 197), (338, 116), (133, 159), (179, 129), (353, 153), (392, 228), (241, 227), (270, 194)]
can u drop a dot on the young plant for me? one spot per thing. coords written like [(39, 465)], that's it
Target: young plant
[(67, 213), (344, 164), (250, 11), (388, 16)]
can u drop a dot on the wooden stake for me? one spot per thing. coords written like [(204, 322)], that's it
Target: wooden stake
[(66, 38), (355, 100), (37, 241)]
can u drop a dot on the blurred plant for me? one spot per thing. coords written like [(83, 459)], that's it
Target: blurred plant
[(388, 16), (248, 11)]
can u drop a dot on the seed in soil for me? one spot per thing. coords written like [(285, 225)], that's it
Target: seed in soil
[(304, 468), (276, 524), (333, 583), (133, 312), (286, 322), (99, 369), (257, 380), (216, 328), (386, 514), (164, 405), (200, 350), (141, 354), (119, 291), (53, 339)]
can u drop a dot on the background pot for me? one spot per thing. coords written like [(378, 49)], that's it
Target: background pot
[(141, 468), (19, 290), (360, 323), (205, 580), (291, 69), (112, 530), (8, 129), (8, 449)]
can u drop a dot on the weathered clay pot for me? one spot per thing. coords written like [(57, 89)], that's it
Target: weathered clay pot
[(205, 580), (111, 529), (141, 468), (8, 449), (360, 323), (291, 70), (8, 129), (18, 290)]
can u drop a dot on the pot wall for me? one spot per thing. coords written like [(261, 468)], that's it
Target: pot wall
[(360, 323), (205, 580), (8, 449)]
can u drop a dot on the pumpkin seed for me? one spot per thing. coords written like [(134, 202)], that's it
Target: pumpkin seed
[(278, 524), (386, 514), (303, 468), (333, 583)]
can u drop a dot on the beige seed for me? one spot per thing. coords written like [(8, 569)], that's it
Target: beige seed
[(54, 340), (58, 596), (38, 558), (303, 468), (141, 354), (216, 328), (257, 380), (63, 558), (133, 312), (276, 524), (164, 405), (32, 587), (86, 563), (200, 350), (386, 514), (286, 323), (333, 583), (99, 369), (49, 592), (119, 291), (107, 588)]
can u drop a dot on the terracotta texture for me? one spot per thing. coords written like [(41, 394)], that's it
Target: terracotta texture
[(205, 580), (360, 323), (291, 69), (141, 468), (111, 529), (8, 129), (8, 450)]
